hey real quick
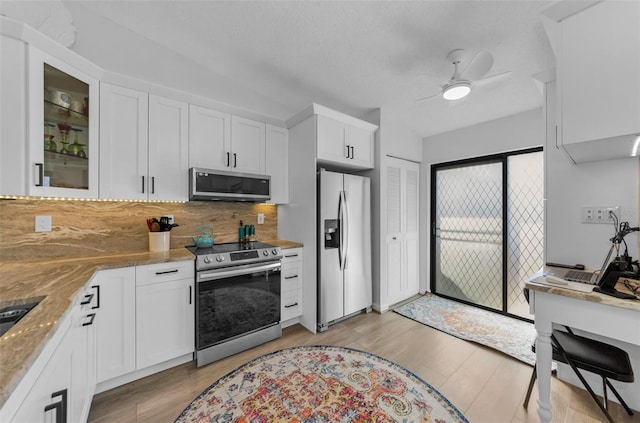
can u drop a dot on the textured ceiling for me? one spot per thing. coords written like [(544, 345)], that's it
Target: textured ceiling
[(351, 56)]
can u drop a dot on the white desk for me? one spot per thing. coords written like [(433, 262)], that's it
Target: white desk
[(592, 312)]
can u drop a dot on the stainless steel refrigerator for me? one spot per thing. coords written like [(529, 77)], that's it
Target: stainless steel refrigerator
[(344, 246)]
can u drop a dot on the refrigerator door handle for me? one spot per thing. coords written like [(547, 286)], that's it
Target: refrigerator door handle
[(341, 219), (345, 232)]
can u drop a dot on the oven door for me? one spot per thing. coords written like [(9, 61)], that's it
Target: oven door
[(235, 301)]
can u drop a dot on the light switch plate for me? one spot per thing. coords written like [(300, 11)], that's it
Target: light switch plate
[(43, 223), (260, 218)]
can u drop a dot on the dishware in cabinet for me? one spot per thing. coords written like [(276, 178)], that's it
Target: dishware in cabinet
[(63, 129)]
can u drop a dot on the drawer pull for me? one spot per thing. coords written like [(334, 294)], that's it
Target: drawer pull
[(291, 277), (167, 271), (90, 322), (97, 288), (59, 406), (87, 299), (291, 305), (290, 255)]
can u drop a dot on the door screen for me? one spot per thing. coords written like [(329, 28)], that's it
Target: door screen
[(487, 233)]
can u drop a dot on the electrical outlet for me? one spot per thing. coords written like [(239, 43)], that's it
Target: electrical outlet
[(43, 223), (260, 218), (592, 214)]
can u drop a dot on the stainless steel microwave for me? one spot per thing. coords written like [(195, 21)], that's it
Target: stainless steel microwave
[(207, 184)]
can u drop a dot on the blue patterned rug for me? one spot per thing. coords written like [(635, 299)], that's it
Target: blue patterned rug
[(508, 335)]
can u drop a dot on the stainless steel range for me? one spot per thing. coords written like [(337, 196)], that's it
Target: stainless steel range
[(237, 298)]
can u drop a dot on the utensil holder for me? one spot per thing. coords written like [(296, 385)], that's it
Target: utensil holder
[(159, 241)]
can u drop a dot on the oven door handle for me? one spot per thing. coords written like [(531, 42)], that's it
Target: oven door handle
[(236, 271)]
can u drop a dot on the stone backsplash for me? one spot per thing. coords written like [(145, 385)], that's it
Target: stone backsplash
[(93, 227)]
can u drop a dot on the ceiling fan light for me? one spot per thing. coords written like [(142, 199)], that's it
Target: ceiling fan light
[(457, 90)]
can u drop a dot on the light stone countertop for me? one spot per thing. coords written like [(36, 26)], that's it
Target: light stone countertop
[(59, 281), (594, 297), (283, 243)]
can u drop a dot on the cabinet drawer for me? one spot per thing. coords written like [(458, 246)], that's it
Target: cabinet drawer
[(291, 255), (291, 305), (163, 272), (290, 276)]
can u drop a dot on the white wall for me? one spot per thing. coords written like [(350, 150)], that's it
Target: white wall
[(118, 49), (517, 132), (568, 187), (392, 139)]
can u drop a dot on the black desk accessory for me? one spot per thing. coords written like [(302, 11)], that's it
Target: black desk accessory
[(610, 279)]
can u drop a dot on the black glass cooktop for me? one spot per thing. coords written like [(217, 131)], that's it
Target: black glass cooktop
[(229, 247)]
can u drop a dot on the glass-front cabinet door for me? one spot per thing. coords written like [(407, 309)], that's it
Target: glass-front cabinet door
[(63, 129)]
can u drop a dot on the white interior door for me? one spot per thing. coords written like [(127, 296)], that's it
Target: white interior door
[(402, 240)]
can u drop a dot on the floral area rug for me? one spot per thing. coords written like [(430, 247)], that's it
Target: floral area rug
[(320, 384), (508, 335)]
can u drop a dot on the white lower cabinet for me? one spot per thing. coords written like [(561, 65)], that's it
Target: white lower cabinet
[(164, 312), (125, 321), (291, 284), (116, 301), (64, 387)]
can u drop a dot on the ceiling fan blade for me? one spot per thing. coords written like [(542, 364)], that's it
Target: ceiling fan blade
[(427, 98), (493, 79), (479, 66)]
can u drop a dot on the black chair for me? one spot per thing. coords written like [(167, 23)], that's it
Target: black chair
[(606, 360)]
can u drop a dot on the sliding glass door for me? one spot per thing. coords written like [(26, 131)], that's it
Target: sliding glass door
[(487, 217)]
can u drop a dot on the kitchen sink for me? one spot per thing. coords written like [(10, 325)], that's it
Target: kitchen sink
[(11, 314)]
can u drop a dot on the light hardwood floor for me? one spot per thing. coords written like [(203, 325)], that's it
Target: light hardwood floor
[(485, 385)]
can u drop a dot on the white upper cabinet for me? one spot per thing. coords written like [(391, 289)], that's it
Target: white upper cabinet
[(361, 145), (168, 149), (13, 117), (209, 138), (144, 140), (343, 144), (63, 128), (248, 146), (599, 81), (124, 117), (221, 141), (277, 161)]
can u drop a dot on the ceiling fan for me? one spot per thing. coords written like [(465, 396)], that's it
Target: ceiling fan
[(461, 83)]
